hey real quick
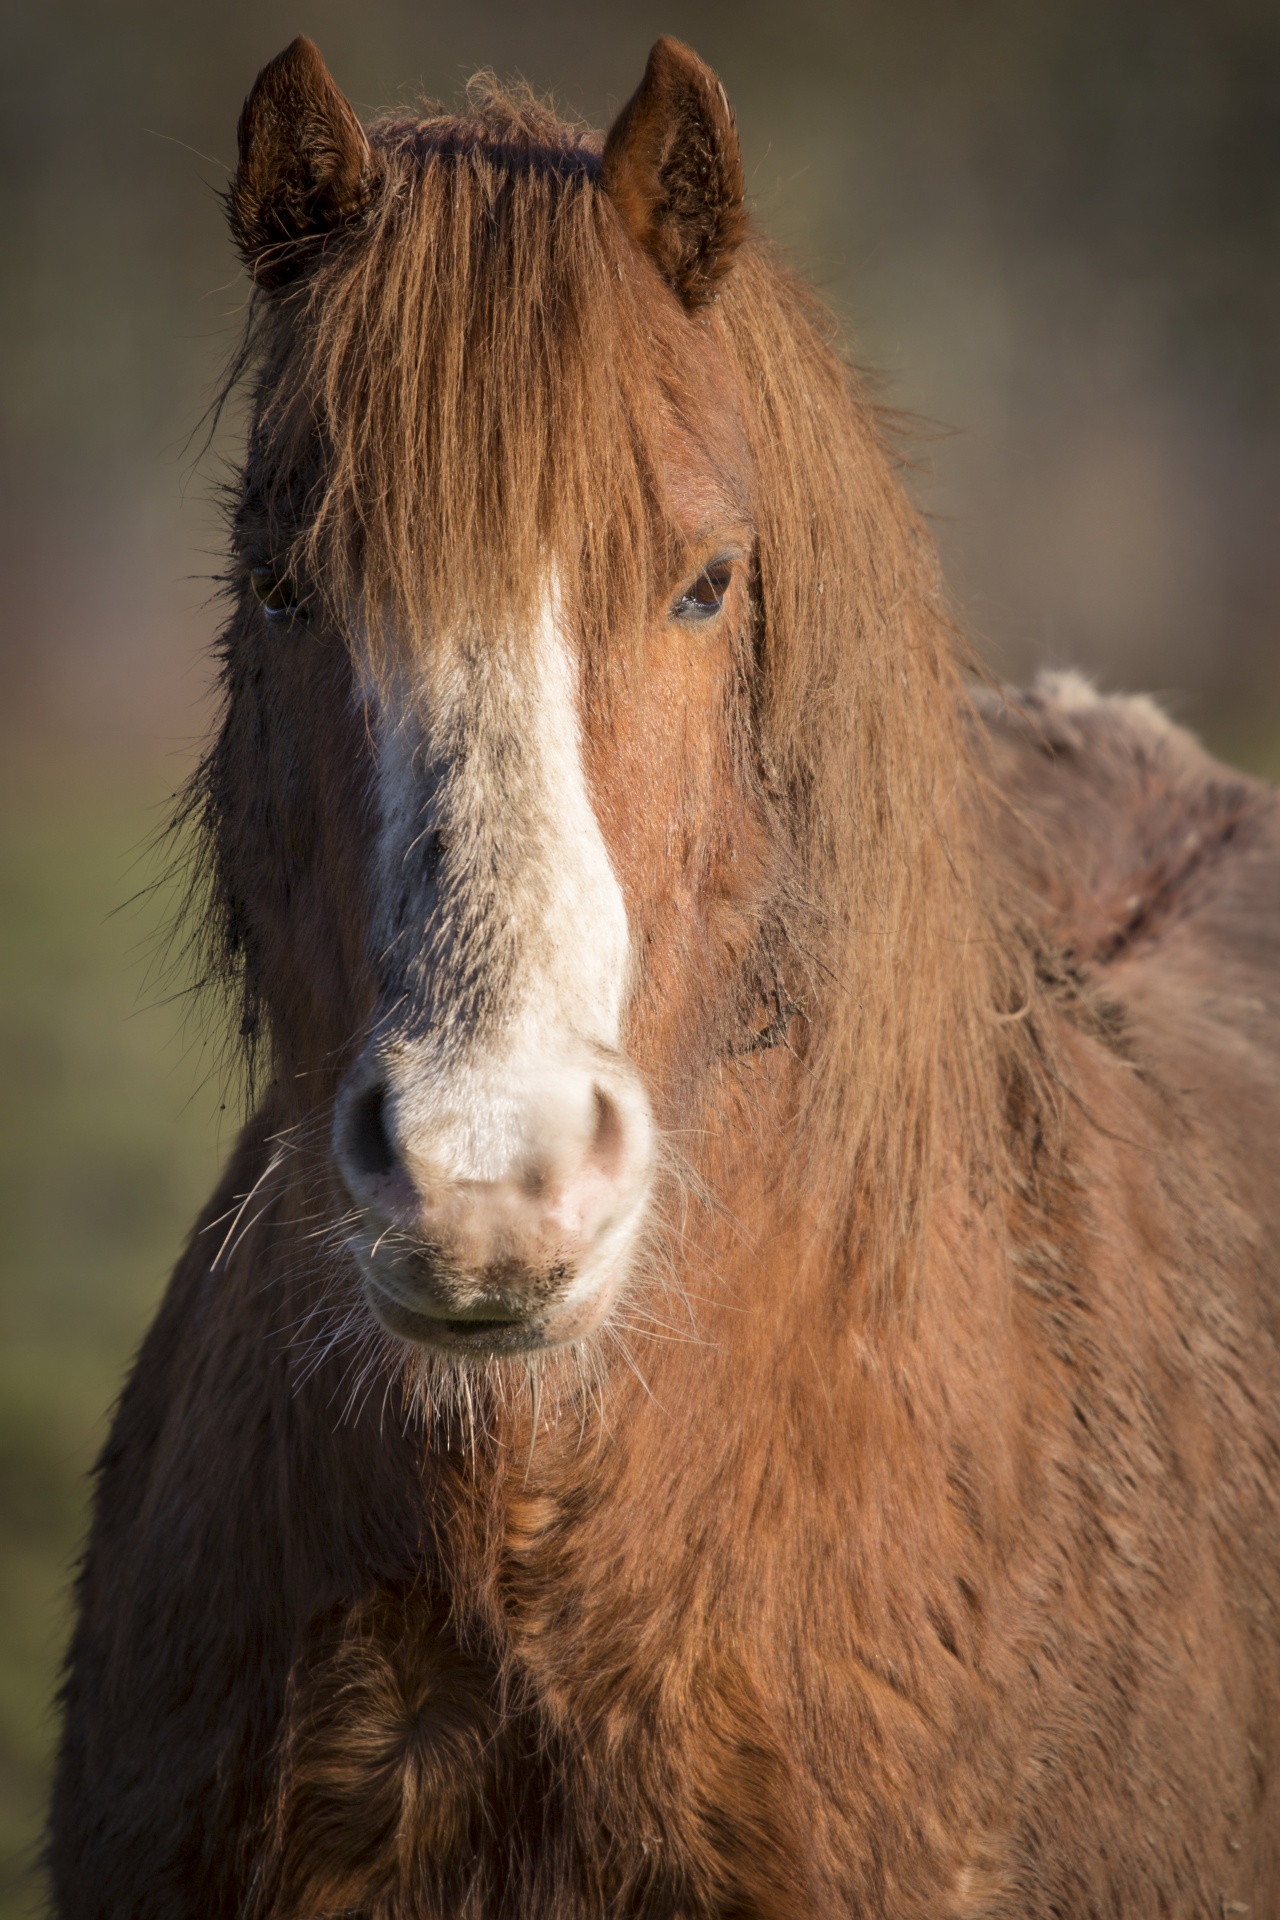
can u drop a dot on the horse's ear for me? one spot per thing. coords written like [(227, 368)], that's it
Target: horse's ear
[(304, 167), (673, 169)]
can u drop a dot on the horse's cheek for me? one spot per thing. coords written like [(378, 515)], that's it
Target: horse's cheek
[(294, 740), (658, 771)]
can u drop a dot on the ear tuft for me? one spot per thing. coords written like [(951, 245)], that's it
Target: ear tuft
[(673, 169), (305, 167)]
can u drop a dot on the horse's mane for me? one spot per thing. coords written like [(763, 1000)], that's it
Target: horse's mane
[(477, 364)]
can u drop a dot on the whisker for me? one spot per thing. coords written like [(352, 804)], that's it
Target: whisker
[(238, 1208)]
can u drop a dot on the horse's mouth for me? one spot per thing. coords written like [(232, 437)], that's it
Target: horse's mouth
[(442, 1328), (447, 1301)]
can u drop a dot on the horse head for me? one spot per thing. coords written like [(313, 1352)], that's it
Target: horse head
[(545, 709)]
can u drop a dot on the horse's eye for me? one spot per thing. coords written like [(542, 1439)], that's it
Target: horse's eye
[(706, 596), (278, 596)]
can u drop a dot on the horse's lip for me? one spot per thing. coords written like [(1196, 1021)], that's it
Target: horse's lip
[(458, 1332)]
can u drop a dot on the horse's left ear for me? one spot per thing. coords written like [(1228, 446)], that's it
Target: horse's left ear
[(673, 169), (304, 168)]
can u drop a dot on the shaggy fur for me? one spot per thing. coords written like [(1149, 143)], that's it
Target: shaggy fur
[(909, 1544)]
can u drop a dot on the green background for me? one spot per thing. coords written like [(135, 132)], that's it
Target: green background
[(109, 1137)]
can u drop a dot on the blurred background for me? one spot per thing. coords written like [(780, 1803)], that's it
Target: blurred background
[(1053, 230)]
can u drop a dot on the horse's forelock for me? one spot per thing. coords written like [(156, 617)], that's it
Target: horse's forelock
[(468, 389)]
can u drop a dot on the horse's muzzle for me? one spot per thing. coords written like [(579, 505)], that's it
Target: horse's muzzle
[(498, 1206)]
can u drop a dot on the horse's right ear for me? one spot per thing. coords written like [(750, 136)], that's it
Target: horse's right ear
[(305, 167), (673, 169)]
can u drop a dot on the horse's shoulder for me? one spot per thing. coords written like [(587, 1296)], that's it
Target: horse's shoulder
[(1124, 829), (1157, 869)]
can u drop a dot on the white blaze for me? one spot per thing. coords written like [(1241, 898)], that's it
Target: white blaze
[(506, 966)]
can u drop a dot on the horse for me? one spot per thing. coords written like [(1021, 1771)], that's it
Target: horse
[(733, 1369)]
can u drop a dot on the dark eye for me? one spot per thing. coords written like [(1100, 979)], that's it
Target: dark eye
[(277, 595), (704, 599)]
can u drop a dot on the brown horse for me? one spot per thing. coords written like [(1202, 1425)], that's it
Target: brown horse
[(734, 1371)]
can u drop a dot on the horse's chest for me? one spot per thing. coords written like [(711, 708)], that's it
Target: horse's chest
[(430, 1771)]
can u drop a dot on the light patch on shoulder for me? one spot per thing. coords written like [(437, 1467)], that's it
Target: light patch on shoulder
[(1073, 693)]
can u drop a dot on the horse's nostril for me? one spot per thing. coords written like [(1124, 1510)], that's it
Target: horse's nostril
[(365, 1140)]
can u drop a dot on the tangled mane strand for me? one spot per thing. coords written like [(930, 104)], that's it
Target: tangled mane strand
[(910, 960)]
